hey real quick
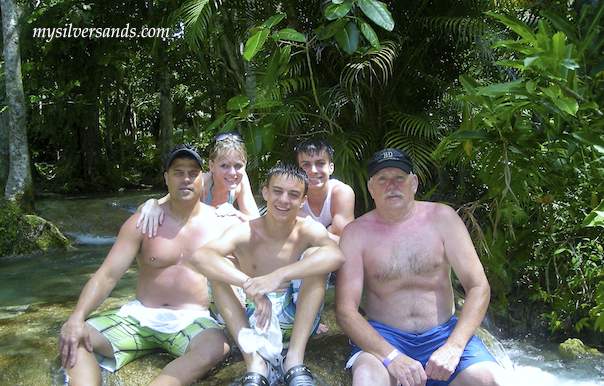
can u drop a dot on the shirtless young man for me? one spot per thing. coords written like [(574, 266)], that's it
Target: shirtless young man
[(330, 202), (171, 297), (268, 252), (401, 253)]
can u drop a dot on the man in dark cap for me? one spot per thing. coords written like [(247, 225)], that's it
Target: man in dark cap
[(401, 254), (171, 310)]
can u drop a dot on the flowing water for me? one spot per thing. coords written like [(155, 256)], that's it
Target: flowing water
[(38, 293)]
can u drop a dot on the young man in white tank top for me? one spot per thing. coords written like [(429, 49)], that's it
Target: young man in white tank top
[(330, 202)]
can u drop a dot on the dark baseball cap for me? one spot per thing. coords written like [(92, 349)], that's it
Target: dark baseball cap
[(389, 158), (183, 151)]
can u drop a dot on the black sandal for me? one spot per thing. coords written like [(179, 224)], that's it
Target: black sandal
[(254, 379), (299, 375)]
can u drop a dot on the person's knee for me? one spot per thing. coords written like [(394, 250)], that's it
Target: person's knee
[(211, 344), (369, 371), (481, 374)]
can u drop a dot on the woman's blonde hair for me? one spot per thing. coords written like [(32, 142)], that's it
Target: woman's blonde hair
[(226, 142)]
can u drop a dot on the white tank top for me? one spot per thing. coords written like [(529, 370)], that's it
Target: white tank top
[(325, 216)]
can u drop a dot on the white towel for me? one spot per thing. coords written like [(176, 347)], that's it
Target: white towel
[(267, 342), (163, 320)]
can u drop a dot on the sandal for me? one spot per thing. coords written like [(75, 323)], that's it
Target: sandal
[(250, 378), (256, 379), (298, 375)]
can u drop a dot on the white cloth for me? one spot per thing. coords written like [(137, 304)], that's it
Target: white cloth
[(325, 216), (161, 319), (268, 342)]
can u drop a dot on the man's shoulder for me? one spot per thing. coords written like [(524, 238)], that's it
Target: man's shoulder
[(433, 208), (362, 222), (341, 191), (337, 185)]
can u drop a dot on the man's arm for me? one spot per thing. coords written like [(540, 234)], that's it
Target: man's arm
[(460, 253), (211, 261), (349, 290), (97, 289), (324, 257), (342, 209)]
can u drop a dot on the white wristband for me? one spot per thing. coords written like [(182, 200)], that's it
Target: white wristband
[(391, 357)]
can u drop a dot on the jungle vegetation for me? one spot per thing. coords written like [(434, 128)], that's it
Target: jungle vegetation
[(499, 103)]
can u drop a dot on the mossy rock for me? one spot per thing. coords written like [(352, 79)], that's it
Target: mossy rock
[(575, 348), (44, 234), (22, 234)]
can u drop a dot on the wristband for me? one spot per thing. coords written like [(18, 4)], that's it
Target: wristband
[(391, 357)]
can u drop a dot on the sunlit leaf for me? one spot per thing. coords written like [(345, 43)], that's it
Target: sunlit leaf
[(255, 43), (289, 34), (273, 21), (378, 13), (568, 105), (238, 102), (336, 11)]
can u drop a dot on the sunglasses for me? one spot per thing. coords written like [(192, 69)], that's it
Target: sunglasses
[(223, 136)]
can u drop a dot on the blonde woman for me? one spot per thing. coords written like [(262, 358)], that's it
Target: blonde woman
[(224, 185)]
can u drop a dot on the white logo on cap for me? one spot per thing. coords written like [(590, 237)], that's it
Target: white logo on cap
[(388, 154)]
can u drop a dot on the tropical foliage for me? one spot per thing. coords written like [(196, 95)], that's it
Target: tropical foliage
[(535, 144), (498, 103)]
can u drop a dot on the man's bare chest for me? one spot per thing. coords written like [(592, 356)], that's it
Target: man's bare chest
[(405, 257)]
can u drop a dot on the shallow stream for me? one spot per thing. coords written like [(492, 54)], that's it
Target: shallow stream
[(38, 293)]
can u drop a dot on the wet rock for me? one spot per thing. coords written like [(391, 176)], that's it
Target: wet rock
[(29, 355), (575, 348)]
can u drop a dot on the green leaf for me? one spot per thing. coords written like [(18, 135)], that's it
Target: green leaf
[(257, 141), (562, 24), (378, 13), (570, 64), (503, 88), (596, 16), (369, 34), (595, 218), (590, 138), (217, 122), (230, 125), (255, 43), (332, 28), (238, 102), (336, 11), (289, 34), (517, 26), (269, 103), (469, 83), (273, 21), (568, 105), (471, 134), (348, 38), (511, 63)]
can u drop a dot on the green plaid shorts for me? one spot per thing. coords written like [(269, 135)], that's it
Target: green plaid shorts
[(131, 341)]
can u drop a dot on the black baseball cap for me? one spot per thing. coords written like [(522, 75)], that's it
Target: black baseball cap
[(390, 158), (180, 151)]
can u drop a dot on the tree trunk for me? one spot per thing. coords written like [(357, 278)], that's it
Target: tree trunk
[(4, 155), (19, 185), (166, 126)]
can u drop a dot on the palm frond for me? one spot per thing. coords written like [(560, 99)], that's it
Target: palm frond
[(197, 16), (419, 149)]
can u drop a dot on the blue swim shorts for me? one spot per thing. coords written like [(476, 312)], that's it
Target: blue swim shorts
[(421, 346)]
